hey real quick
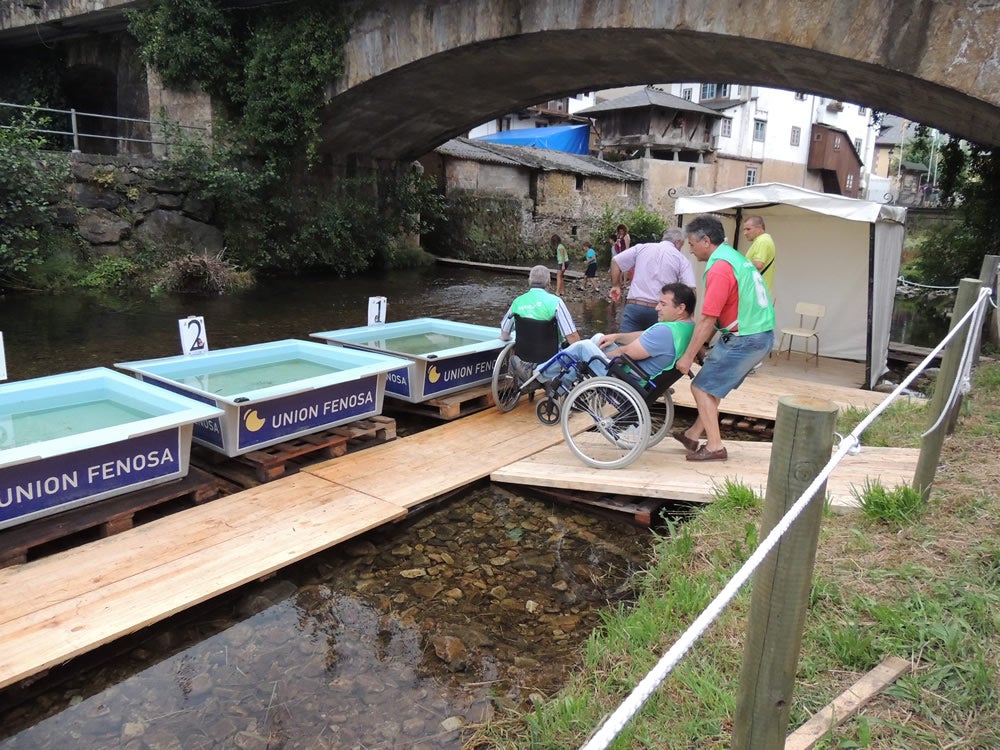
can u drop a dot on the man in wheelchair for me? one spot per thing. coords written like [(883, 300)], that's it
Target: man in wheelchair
[(541, 321), (653, 350)]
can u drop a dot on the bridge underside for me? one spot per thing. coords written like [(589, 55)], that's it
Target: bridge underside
[(410, 110)]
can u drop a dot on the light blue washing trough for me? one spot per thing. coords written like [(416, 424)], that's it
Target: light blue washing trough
[(274, 391), (76, 438), (444, 355)]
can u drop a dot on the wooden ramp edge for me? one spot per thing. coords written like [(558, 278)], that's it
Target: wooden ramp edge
[(417, 468), (758, 395), (663, 472), (61, 606)]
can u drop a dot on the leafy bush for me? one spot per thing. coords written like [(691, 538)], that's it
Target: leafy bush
[(29, 186), (110, 273), (643, 226)]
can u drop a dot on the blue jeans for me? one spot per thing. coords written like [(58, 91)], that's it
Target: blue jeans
[(637, 317), (581, 351)]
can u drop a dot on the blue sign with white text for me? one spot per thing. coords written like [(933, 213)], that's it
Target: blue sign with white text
[(398, 381), (472, 369), (48, 483), (267, 421)]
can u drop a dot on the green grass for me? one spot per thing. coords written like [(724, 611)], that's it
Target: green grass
[(898, 506), (921, 583)]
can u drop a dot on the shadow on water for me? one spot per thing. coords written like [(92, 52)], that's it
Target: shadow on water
[(394, 640)]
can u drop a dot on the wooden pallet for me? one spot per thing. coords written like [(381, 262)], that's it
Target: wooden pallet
[(448, 407), (274, 461), (104, 517), (763, 427)]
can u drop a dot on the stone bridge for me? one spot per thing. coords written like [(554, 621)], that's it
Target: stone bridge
[(421, 71)]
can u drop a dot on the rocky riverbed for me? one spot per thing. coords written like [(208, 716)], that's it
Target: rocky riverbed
[(399, 639)]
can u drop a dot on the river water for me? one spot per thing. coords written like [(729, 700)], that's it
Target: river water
[(46, 334), (402, 638)]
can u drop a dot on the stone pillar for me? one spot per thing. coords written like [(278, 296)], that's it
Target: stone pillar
[(191, 109)]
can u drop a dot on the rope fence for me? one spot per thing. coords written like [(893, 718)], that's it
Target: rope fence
[(616, 722)]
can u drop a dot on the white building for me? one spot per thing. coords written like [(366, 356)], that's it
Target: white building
[(555, 112), (772, 130)]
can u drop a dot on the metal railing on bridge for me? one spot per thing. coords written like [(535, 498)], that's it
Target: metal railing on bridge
[(143, 131)]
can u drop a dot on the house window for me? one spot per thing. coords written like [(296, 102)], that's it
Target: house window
[(796, 135), (573, 230), (579, 182), (849, 182), (715, 91), (857, 145), (691, 177), (686, 93), (799, 96), (751, 176), (862, 110), (836, 143), (759, 127), (623, 190), (726, 127)]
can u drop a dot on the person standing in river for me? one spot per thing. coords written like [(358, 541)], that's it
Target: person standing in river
[(562, 262)]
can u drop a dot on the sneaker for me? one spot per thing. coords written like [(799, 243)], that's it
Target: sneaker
[(523, 370)]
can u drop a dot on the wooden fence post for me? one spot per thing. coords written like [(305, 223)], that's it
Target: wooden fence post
[(803, 441), (988, 278), (930, 446)]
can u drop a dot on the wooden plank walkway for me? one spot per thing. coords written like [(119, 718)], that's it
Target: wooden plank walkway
[(64, 605), (61, 606), (758, 396), (662, 471)]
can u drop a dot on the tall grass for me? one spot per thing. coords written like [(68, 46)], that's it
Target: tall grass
[(918, 583)]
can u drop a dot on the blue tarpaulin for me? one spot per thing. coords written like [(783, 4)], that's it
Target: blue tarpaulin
[(574, 139)]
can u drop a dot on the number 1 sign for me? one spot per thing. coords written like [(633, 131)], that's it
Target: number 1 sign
[(376, 310), (194, 339)]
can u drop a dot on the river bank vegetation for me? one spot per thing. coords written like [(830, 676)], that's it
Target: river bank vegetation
[(921, 583)]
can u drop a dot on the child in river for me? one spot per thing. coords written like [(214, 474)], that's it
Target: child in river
[(590, 274)]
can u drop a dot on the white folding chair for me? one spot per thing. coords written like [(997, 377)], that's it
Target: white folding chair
[(805, 311)]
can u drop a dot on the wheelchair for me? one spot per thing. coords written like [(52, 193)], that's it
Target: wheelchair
[(535, 341), (609, 420)]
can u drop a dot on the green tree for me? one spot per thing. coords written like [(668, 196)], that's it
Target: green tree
[(29, 185)]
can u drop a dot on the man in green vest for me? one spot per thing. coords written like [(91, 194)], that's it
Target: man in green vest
[(537, 304), (655, 350), (738, 306)]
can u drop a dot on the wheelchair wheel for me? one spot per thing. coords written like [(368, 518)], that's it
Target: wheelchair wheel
[(615, 422), (661, 416), (547, 411), (506, 388)]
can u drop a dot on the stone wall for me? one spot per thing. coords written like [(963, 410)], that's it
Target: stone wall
[(119, 205)]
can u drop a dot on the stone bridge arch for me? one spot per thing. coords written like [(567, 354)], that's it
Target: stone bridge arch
[(421, 71)]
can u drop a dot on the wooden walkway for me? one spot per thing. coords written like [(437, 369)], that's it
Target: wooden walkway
[(61, 606), (663, 472)]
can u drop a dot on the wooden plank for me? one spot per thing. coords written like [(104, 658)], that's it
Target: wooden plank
[(847, 704), (436, 461), (663, 472), (758, 396), (112, 515), (94, 605)]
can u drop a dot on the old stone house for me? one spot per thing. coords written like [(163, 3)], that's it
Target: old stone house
[(540, 191)]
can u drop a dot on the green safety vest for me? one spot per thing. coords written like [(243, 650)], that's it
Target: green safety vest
[(755, 313), (682, 333), (536, 304)]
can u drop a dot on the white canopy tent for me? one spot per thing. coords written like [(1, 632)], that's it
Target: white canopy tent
[(839, 252)]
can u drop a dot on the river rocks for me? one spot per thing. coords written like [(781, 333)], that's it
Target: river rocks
[(452, 652), (367, 648)]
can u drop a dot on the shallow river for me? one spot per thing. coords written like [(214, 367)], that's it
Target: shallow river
[(402, 638)]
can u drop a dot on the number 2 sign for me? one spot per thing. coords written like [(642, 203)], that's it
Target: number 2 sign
[(194, 339)]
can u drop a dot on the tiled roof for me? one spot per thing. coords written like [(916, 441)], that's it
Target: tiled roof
[(534, 158), (647, 97)]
